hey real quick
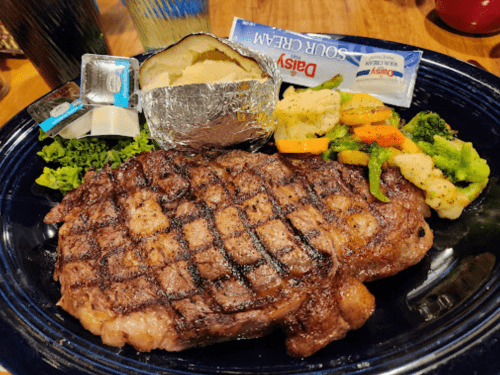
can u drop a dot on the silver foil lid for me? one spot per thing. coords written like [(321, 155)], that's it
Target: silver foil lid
[(215, 115), (109, 80)]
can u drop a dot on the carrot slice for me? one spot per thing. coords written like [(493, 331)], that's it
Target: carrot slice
[(363, 115), (384, 135), (308, 145)]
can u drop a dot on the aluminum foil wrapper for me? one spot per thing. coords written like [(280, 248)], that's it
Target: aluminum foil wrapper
[(215, 115)]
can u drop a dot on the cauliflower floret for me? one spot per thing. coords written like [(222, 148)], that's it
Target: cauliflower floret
[(305, 114), (440, 193)]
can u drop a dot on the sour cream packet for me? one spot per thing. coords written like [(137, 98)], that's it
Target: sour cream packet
[(311, 59)]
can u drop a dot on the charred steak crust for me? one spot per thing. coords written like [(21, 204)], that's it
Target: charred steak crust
[(170, 251)]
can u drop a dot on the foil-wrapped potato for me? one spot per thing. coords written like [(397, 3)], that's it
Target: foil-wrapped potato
[(208, 92)]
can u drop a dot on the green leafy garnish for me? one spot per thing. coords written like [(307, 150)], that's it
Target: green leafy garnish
[(74, 157), (63, 179)]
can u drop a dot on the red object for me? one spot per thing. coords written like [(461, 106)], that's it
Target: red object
[(470, 16)]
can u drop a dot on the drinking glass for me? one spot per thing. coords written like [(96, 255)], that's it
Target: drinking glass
[(161, 23), (54, 34)]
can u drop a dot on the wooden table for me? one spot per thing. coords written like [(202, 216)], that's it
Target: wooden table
[(412, 22)]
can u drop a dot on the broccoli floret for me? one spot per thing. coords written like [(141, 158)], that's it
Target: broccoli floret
[(341, 144), (346, 143), (473, 190), (378, 156), (457, 159), (425, 125), (395, 120), (338, 131)]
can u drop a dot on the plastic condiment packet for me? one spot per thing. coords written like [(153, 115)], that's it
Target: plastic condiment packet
[(62, 113), (60, 109), (309, 60), (110, 80)]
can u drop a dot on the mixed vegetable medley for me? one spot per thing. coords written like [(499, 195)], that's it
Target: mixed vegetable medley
[(359, 129)]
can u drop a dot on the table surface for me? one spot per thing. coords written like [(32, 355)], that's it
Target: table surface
[(413, 22)]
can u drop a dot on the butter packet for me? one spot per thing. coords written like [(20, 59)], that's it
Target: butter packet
[(62, 113), (110, 80), (311, 59), (113, 120)]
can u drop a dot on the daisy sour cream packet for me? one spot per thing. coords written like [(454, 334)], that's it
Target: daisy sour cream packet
[(311, 59)]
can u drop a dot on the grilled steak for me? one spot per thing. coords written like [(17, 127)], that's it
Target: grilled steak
[(170, 251)]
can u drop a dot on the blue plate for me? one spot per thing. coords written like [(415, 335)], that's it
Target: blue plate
[(439, 316)]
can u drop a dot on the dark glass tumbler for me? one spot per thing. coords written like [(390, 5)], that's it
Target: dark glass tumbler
[(54, 34)]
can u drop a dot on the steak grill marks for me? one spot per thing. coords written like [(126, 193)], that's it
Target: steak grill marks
[(205, 259), (229, 245)]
